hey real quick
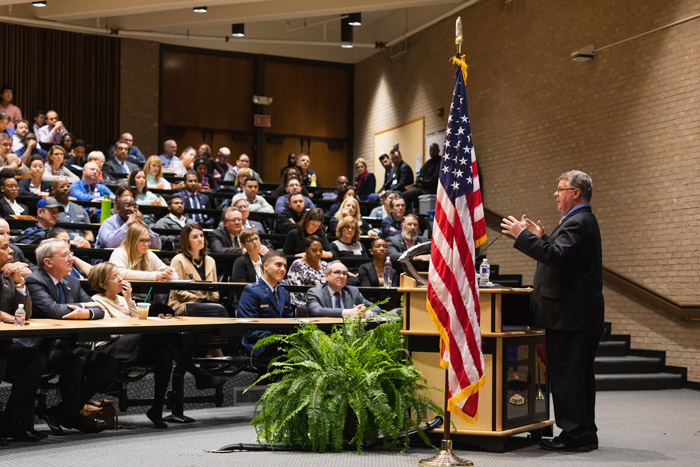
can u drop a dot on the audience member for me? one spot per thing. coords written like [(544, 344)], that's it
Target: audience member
[(391, 224), (307, 175), (291, 163), (169, 153), (98, 158), (35, 185), (17, 261), (7, 157), (77, 154), (311, 223), (242, 206), (409, 238), (308, 270), (348, 242), (6, 105), (204, 177), (293, 187), (67, 142), (144, 197), (154, 173), (365, 183), (47, 217), (21, 130), (174, 220), (248, 268), (53, 131), (185, 163), (239, 182), (119, 165), (220, 165), (224, 239), (194, 199), (87, 188), (39, 121), (243, 162), (136, 261), (5, 124), (55, 165), (113, 230), (28, 148), (400, 174), (287, 219), (372, 274), (336, 298), (290, 173), (426, 181), (80, 268), (351, 207), (193, 263), (265, 299), (8, 203), (341, 186), (204, 150), (385, 160), (343, 194), (256, 203), (57, 295), (134, 154), (71, 213)]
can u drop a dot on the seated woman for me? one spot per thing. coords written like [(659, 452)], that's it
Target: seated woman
[(204, 177), (204, 151), (241, 177), (348, 245), (365, 183), (98, 158), (81, 268), (67, 142), (311, 223), (159, 350), (343, 194), (8, 201), (144, 197), (154, 173), (55, 165), (290, 173), (34, 185), (351, 207), (309, 270), (372, 274), (380, 212), (76, 155), (193, 263), (248, 268), (136, 261)]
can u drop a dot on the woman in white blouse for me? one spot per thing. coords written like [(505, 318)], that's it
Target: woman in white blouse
[(136, 261), (154, 173)]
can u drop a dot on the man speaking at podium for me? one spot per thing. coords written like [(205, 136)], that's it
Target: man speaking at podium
[(567, 301)]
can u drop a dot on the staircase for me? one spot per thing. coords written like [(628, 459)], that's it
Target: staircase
[(619, 368)]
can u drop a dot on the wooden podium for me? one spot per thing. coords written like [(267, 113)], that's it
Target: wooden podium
[(515, 396)]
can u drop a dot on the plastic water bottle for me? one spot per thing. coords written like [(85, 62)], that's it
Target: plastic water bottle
[(313, 180), (388, 271), (20, 315), (484, 273)]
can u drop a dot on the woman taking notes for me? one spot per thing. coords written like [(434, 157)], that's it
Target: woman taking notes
[(136, 261)]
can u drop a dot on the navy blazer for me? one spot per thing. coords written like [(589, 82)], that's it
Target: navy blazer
[(257, 301), (568, 284), (45, 296), (114, 166), (319, 301), (203, 202)]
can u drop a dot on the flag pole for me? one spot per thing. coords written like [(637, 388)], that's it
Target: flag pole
[(445, 457)]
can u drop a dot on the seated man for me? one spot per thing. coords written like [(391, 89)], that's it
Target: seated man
[(391, 224), (400, 175), (174, 220), (341, 185), (87, 188), (293, 187), (288, 219), (53, 131), (57, 295), (71, 213), (336, 298), (194, 199), (169, 153), (113, 230), (17, 260), (134, 154), (243, 162), (256, 203), (409, 238), (24, 364), (47, 216), (265, 299), (184, 164), (242, 205), (120, 164), (426, 181), (225, 238)]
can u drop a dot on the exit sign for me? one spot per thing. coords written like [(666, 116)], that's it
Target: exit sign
[(261, 120)]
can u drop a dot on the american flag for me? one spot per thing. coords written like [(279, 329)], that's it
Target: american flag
[(453, 291)]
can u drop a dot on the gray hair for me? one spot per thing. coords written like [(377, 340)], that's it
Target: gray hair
[(46, 249), (580, 180), (230, 209), (330, 265)]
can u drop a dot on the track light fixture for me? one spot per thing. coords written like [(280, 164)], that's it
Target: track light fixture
[(355, 19), (238, 30), (200, 9)]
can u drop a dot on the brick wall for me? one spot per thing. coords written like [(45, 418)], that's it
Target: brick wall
[(138, 102), (630, 118)]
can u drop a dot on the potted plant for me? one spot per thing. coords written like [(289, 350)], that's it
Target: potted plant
[(350, 387)]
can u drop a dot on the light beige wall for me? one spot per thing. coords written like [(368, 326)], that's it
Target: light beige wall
[(630, 118)]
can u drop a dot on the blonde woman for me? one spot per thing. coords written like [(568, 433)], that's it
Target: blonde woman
[(351, 207), (55, 160), (347, 244), (154, 173), (136, 261), (99, 158)]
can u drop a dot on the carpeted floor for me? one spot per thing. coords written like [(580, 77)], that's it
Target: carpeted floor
[(636, 428)]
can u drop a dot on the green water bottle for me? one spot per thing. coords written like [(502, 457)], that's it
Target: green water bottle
[(105, 208)]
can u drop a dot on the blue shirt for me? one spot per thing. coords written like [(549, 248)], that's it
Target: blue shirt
[(113, 230), (166, 160), (84, 192)]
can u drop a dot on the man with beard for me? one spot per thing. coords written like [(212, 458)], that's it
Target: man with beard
[(408, 238), (72, 213), (174, 220)]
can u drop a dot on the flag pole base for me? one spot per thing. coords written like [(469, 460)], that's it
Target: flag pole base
[(445, 457)]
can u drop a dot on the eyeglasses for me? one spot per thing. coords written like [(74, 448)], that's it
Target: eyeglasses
[(144, 240), (339, 273), (558, 190)]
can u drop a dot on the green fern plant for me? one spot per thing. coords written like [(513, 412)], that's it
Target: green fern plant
[(349, 387)]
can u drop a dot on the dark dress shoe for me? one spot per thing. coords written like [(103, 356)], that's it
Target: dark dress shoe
[(593, 442), (54, 422), (84, 424), (156, 416), (557, 444), (23, 435), (38, 434)]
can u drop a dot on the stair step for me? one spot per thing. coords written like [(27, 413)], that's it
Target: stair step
[(638, 382), (626, 364), (612, 349)]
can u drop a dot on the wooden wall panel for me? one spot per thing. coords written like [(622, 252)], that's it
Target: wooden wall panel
[(206, 90), (328, 164), (309, 99), (75, 74)]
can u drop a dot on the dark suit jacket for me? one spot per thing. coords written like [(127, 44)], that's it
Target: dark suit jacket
[(220, 242), (257, 301), (284, 225), (367, 276), (319, 300), (10, 299), (396, 245), (243, 270), (45, 296), (203, 202), (399, 177), (114, 166), (24, 187), (568, 284), (6, 211)]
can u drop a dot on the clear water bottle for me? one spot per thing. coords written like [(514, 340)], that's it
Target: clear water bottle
[(20, 316), (484, 273), (388, 272)]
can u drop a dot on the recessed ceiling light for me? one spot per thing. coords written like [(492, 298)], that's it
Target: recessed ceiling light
[(39, 4), (200, 9), (346, 46), (355, 19), (238, 30)]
